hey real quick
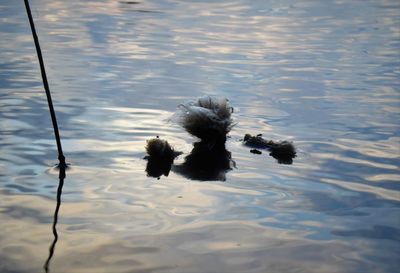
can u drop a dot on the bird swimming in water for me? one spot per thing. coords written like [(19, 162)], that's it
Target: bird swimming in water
[(157, 147), (283, 151), (208, 118), (160, 157)]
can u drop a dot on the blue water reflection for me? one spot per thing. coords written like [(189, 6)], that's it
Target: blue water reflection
[(323, 74)]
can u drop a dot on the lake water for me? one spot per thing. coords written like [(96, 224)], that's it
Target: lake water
[(323, 74)]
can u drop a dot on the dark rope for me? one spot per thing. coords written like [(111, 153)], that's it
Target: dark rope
[(55, 219), (61, 157)]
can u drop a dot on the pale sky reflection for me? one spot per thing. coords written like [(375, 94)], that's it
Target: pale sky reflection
[(323, 74)]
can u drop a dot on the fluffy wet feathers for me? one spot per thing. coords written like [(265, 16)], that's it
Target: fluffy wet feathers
[(208, 118), (159, 148)]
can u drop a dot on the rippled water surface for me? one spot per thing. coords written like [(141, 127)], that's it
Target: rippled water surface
[(323, 74)]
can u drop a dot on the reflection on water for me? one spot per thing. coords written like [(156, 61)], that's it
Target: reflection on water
[(156, 167), (206, 163), (203, 163), (323, 74), (61, 177)]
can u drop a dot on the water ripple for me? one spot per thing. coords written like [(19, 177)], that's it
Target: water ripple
[(323, 74)]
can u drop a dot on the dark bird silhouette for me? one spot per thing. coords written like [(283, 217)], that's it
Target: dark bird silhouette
[(160, 157), (283, 151)]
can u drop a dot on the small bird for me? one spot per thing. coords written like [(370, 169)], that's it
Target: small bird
[(160, 157), (160, 148), (257, 141), (208, 118), (283, 151)]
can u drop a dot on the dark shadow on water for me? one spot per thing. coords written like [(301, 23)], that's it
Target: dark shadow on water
[(206, 163), (130, 2), (282, 155), (129, 6), (61, 177), (157, 167)]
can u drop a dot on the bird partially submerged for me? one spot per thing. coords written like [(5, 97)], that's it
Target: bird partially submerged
[(160, 157), (157, 147), (283, 151), (208, 118)]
